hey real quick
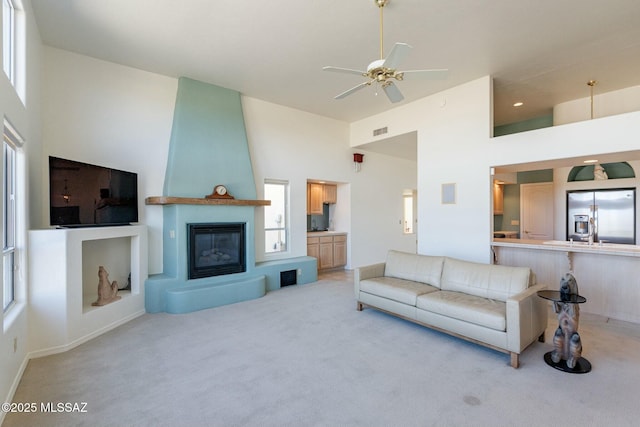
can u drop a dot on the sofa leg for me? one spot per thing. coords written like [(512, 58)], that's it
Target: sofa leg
[(515, 360), (541, 337), (359, 306)]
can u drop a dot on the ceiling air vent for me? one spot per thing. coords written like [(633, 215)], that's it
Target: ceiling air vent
[(380, 131)]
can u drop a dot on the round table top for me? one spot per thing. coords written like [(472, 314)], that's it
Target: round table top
[(555, 296)]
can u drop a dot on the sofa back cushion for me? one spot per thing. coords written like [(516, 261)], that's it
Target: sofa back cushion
[(419, 268), (497, 282)]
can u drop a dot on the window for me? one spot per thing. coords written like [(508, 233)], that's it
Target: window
[(11, 144), (276, 216), (9, 39), (407, 220), (14, 45)]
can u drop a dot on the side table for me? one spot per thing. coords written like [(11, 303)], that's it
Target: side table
[(566, 355)]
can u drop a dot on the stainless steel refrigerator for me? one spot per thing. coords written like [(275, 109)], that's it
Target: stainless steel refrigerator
[(613, 212)]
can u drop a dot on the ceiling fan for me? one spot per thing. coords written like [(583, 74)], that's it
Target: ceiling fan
[(383, 70)]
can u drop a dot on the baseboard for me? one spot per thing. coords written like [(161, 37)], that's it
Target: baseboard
[(60, 349), (66, 347), (14, 385)]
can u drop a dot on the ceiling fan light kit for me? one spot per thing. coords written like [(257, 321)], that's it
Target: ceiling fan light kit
[(384, 70)]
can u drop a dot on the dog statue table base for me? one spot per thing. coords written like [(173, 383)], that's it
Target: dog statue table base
[(567, 352)]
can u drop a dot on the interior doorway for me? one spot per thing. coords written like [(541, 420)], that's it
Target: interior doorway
[(536, 211)]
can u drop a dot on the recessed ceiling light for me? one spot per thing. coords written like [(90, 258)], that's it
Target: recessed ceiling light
[(591, 161), (518, 104)]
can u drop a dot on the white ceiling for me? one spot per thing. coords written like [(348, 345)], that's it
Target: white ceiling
[(541, 52)]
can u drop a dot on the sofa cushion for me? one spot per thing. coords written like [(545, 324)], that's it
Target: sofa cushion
[(469, 308), (404, 291), (419, 268), (497, 282)]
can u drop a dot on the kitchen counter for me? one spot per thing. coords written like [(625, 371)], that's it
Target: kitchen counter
[(608, 275), (565, 246), (507, 233), (325, 233)]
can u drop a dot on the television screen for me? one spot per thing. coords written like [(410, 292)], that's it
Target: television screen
[(84, 195)]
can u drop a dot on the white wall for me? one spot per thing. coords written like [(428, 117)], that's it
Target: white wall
[(451, 127), (604, 104), (454, 147), (26, 119), (111, 115), (295, 146)]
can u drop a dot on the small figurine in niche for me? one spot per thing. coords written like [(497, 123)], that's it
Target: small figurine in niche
[(107, 292)]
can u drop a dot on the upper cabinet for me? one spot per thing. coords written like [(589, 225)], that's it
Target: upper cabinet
[(498, 198), (318, 194), (315, 197), (330, 193)]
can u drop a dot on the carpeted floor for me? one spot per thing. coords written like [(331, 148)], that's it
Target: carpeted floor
[(303, 356)]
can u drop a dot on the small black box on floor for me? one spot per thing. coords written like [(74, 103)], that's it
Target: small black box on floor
[(288, 278)]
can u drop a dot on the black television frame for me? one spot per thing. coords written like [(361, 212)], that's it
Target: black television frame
[(89, 195)]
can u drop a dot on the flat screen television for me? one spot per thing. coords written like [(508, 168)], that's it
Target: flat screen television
[(85, 195)]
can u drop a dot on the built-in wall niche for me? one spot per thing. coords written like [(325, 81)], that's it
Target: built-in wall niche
[(617, 170), (115, 256), (63, 282)]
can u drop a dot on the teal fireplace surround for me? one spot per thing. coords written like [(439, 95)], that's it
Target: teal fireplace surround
[(209, 146)]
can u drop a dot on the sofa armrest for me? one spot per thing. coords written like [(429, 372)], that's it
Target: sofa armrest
[(526, 318), (367, 272)]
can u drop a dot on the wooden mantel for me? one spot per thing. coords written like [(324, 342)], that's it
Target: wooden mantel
[(167, 200)]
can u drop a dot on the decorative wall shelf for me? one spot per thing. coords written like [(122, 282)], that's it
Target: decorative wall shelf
[(167, 200)]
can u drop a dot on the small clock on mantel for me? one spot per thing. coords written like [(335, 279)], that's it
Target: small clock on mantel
[(219, 192)]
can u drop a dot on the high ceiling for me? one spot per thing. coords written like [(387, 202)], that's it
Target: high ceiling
[(540, 52)]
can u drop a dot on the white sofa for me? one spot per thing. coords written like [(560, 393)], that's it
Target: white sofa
[(492, 305)]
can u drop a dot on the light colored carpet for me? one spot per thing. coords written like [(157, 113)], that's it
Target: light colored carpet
[(303, 356)]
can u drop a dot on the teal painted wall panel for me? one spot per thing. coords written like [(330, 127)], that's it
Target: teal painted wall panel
[(523, 126), (531, 177), (208, 143), (511, 207)]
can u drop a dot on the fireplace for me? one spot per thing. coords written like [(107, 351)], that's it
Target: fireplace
[(214, 249)]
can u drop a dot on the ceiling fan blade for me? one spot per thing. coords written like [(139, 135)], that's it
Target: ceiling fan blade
[(435, 74), (353, 89), (396, 56), (344, 70), (392, 91)]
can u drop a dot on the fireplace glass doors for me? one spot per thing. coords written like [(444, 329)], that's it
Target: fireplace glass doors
[(215, 249)]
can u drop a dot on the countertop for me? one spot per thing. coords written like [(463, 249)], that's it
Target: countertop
[(564, 246), (324, 233), (507, 233)]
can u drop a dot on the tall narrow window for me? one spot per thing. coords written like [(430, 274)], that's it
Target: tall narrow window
[(276, 216), (11, 143), (407, 221), (9, 39)]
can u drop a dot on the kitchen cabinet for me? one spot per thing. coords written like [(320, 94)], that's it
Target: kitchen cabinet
[(315, 197), (313, 247), (340, 250), (330, 193), (498, 199), (329, 249), (318, 194), (326, 252)]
